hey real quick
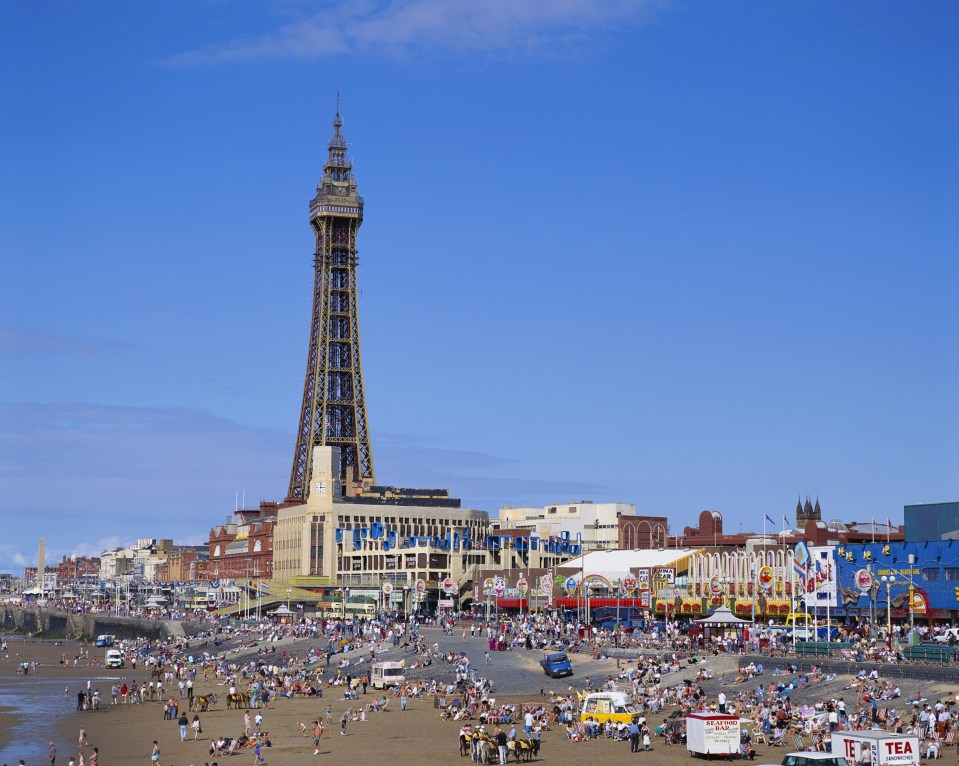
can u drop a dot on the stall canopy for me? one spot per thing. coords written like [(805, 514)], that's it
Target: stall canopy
[(283, 611), (722, 616)]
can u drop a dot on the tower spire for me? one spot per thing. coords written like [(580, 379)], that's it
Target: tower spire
[(338, 168), (334, 405)]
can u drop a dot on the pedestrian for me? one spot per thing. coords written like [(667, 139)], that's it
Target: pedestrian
[(403, 700), (500, 739), (94, 757), (197, 729), (633, 737), (246, 723), (644, 731), (155, 754), (258, 722), (82, 740), (184, 723), (257, 757), (53, 754), (329, 714), (487, 656), (343, 724), (318, 730)]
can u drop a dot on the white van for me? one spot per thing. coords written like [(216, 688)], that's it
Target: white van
[(387, 674), (114, 658)]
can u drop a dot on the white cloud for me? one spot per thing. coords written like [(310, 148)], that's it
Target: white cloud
[(17, 341), (399, 27)]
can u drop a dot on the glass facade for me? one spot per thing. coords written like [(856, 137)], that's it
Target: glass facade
[(931, 521)]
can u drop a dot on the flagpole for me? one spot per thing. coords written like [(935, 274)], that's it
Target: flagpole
[(792, 600), (828, 598)]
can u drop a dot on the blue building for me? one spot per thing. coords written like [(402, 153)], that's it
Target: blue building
[(931, 566), (931, 521)]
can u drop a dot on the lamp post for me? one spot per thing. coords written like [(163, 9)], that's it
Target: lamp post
[(619, 592), (728, 589), (888, 580), (912, 593), (289, 591)]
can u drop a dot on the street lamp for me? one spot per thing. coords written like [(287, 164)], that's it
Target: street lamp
[(912, 592), (619, 591), (728, 588), (889, 580), (288, 592)]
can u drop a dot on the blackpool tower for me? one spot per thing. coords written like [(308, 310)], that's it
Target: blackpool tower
[(334, 406)]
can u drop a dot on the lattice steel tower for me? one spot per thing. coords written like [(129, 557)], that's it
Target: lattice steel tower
[(334, 406)]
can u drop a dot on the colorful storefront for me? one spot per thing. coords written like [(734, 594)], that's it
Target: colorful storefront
[(930, 569)]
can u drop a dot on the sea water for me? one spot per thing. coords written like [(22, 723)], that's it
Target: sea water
[(33, 704)]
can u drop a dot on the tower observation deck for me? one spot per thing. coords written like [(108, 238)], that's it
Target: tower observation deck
[(334, 406)]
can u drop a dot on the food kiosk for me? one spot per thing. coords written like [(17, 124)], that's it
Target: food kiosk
[(712, 734)]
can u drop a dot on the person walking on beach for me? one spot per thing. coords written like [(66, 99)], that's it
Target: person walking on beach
[(95, 757), (247, 722), (196, 727), (183, 722), (318, 730), (258, 722), (53, 754), (82, 739), (155, 755)]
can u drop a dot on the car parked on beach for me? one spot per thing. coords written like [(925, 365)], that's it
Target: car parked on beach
[(813, 759), (556, 665)]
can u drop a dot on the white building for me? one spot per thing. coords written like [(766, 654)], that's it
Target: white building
[(597, 524)]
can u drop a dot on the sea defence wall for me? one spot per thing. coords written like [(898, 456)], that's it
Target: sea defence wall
[(52, 624)]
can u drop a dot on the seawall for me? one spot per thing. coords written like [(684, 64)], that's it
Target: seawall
[(53, 624)]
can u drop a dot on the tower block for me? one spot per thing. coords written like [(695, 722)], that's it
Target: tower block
[(334, 406)]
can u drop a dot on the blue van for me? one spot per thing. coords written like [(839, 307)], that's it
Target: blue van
[(556, 665)]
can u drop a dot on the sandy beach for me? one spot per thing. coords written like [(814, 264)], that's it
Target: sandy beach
[(124, 733)]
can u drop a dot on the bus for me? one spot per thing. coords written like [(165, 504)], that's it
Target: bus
[(629, 616), (353, 609)]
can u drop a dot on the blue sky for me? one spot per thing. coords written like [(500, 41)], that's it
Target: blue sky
[(683, 255)]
